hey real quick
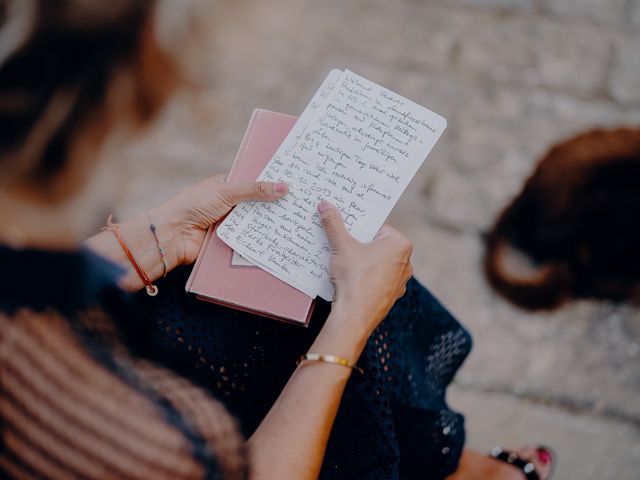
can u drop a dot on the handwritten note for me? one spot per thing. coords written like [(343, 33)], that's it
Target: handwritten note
[(358, 145), (272, 170)]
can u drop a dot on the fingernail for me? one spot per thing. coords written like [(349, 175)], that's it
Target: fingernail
[(544, 455), (281, 187), (323, 206)]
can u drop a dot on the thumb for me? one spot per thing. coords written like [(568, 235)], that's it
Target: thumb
[(333, 224), (235, 193)]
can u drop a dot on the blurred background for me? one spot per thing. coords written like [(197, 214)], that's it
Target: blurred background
[(512, 77)]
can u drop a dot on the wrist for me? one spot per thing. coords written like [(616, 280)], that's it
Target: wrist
[(168, 229), (359, 317), (139, 239), (341, 336)]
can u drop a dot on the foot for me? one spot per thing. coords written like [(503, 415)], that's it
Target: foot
[(479, 466), (540, 457)]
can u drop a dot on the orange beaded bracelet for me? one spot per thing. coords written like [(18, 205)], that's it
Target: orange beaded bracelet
[(151, 289)]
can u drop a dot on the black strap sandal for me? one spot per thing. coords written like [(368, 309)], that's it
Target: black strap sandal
[(513, 459)]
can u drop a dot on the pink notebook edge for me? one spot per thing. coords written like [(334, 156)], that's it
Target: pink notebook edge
[(261, 313), (211, 231)]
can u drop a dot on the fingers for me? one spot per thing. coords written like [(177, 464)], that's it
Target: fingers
[(404, 247), (333, 224), (408, 273), (235, 193), (385, 231), (388, 232), (403, 243)]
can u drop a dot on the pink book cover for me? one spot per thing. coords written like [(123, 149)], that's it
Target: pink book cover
[(249, 288)]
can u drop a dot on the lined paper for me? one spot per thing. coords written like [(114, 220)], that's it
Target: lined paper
[(358, 145)]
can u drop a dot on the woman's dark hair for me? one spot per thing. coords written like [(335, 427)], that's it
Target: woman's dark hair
[(60, 64)]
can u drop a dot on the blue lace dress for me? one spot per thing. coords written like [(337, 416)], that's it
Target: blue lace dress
[(393, 422)]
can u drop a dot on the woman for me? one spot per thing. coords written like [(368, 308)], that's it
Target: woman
[(97, 384)]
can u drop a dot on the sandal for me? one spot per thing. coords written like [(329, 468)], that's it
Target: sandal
[(525, 466)]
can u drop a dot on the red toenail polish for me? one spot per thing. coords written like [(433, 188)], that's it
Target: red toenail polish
[(544, 455)]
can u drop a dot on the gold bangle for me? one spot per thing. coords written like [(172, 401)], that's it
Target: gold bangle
[(316, 357)]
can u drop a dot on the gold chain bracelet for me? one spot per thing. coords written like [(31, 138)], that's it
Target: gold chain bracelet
[(316, 357)]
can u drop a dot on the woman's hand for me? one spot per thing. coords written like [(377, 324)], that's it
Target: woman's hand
[(368, 278), (192, 211), (181, 224)]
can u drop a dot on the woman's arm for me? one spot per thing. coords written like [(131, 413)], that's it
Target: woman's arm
[(291, 440), (369, 278)]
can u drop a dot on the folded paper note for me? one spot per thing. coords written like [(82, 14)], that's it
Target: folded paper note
[(358, 145), (216, 277)]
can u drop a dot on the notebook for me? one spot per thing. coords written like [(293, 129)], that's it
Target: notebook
[(358, 145), (221, 277)]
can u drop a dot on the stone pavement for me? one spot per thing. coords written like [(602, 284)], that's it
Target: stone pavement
[(511, 77)]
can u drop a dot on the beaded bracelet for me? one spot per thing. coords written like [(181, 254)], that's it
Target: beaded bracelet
[(152, 290), (152, 227), (316, 357)]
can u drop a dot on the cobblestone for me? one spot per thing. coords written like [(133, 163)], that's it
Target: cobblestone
[(542, 53), (634, 15), (500, 5), (625, 79), (613, 11), (506, 421)]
